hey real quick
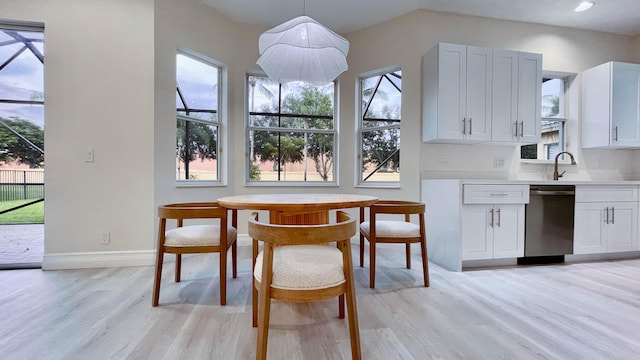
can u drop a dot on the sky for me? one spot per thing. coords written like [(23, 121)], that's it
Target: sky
[(21, 79)]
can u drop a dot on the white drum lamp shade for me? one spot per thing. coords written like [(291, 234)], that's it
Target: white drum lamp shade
[(301, 49)]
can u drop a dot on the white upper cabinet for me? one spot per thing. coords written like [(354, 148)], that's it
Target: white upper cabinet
[(457, 94), (474, 94), (611, 106), (516, 97)]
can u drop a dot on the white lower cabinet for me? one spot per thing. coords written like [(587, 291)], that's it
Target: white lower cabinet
[(492, 231), (605, 227), (606, 219), (475, 221)]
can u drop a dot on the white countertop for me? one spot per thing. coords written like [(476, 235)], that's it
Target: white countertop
[(545, 182)]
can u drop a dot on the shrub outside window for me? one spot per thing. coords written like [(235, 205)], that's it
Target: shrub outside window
[(198, 119), (379, 128), (291, 132)]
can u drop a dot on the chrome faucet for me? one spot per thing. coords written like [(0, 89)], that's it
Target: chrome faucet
[(556, 176)]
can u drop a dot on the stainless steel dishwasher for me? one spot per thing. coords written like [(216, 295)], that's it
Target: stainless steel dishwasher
[(548, 225)]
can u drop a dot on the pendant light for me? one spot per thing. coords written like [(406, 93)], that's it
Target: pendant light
[(302, 49)]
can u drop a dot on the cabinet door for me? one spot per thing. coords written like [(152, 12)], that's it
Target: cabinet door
[(478, 93), (508, 231), (529, 97), (589, 225), (625, 100), (477, 233), (516, 97), (504, 99), (451, 91), (596, 107), (622, 226)]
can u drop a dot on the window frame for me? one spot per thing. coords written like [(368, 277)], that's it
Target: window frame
[(360, 130), (248, 128), (220, 123)]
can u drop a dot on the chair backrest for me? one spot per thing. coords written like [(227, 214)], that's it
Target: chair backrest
[(194, 210), (343, 229), (397, 207)]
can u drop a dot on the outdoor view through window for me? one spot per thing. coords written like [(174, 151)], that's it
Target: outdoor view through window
[(381, 100), (553, 122), (198, 121), (291, 132), (21, 124)]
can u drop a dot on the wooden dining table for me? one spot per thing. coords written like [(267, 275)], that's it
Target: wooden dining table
[(305, 209)]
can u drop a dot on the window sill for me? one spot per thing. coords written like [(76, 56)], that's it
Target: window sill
[(289, 184), (544, 162), (379, 186), (196, 183)]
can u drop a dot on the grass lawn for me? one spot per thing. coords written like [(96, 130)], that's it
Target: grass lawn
[(32, 214)]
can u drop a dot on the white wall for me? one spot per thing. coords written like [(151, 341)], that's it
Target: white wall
[(110, 85), (98, 95)]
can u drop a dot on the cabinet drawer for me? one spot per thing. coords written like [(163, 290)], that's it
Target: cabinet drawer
[(495, 194), (606, 193)]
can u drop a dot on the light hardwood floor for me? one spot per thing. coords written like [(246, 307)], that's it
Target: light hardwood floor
[(570, 311)]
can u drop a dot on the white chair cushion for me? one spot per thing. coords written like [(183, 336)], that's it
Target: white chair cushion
[(197, 235), (392, 229), (304, 267)]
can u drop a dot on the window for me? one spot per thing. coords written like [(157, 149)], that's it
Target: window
[(198, 123), (553, 114), (379, 129), (291, 132)]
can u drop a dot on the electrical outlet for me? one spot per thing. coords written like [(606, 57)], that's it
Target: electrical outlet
[(498, 162), (105, 238), (443, 160)]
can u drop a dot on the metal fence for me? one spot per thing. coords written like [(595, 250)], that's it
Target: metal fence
[(21, 184)]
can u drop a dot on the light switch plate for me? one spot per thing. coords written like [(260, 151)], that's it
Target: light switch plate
[(88, 156)]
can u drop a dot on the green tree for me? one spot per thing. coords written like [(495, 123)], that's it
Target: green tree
[(292, 147), (201, 142), (381, 144), (23, 148), (319, 147), (281, 148), (551, 106)]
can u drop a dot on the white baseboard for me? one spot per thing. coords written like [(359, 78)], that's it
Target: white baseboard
[(100, 259), (82, 260), (62, 261)]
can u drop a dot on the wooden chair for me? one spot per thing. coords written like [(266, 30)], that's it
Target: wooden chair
[(192, 239), (393, 231), (318, 271)]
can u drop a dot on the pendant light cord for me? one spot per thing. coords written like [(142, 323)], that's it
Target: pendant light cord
[(304, 7)]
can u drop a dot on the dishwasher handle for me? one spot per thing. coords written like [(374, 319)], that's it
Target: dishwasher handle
[(552, 192)]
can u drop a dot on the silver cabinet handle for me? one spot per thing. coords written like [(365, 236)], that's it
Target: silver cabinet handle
[(491, 211), (470, 125), (521, 128), (606, 220), (464, 126), (615, 136), (613, 215), (516, 133), (498, 223)]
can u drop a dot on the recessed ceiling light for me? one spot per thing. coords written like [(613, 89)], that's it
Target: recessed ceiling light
[(585, 5)]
